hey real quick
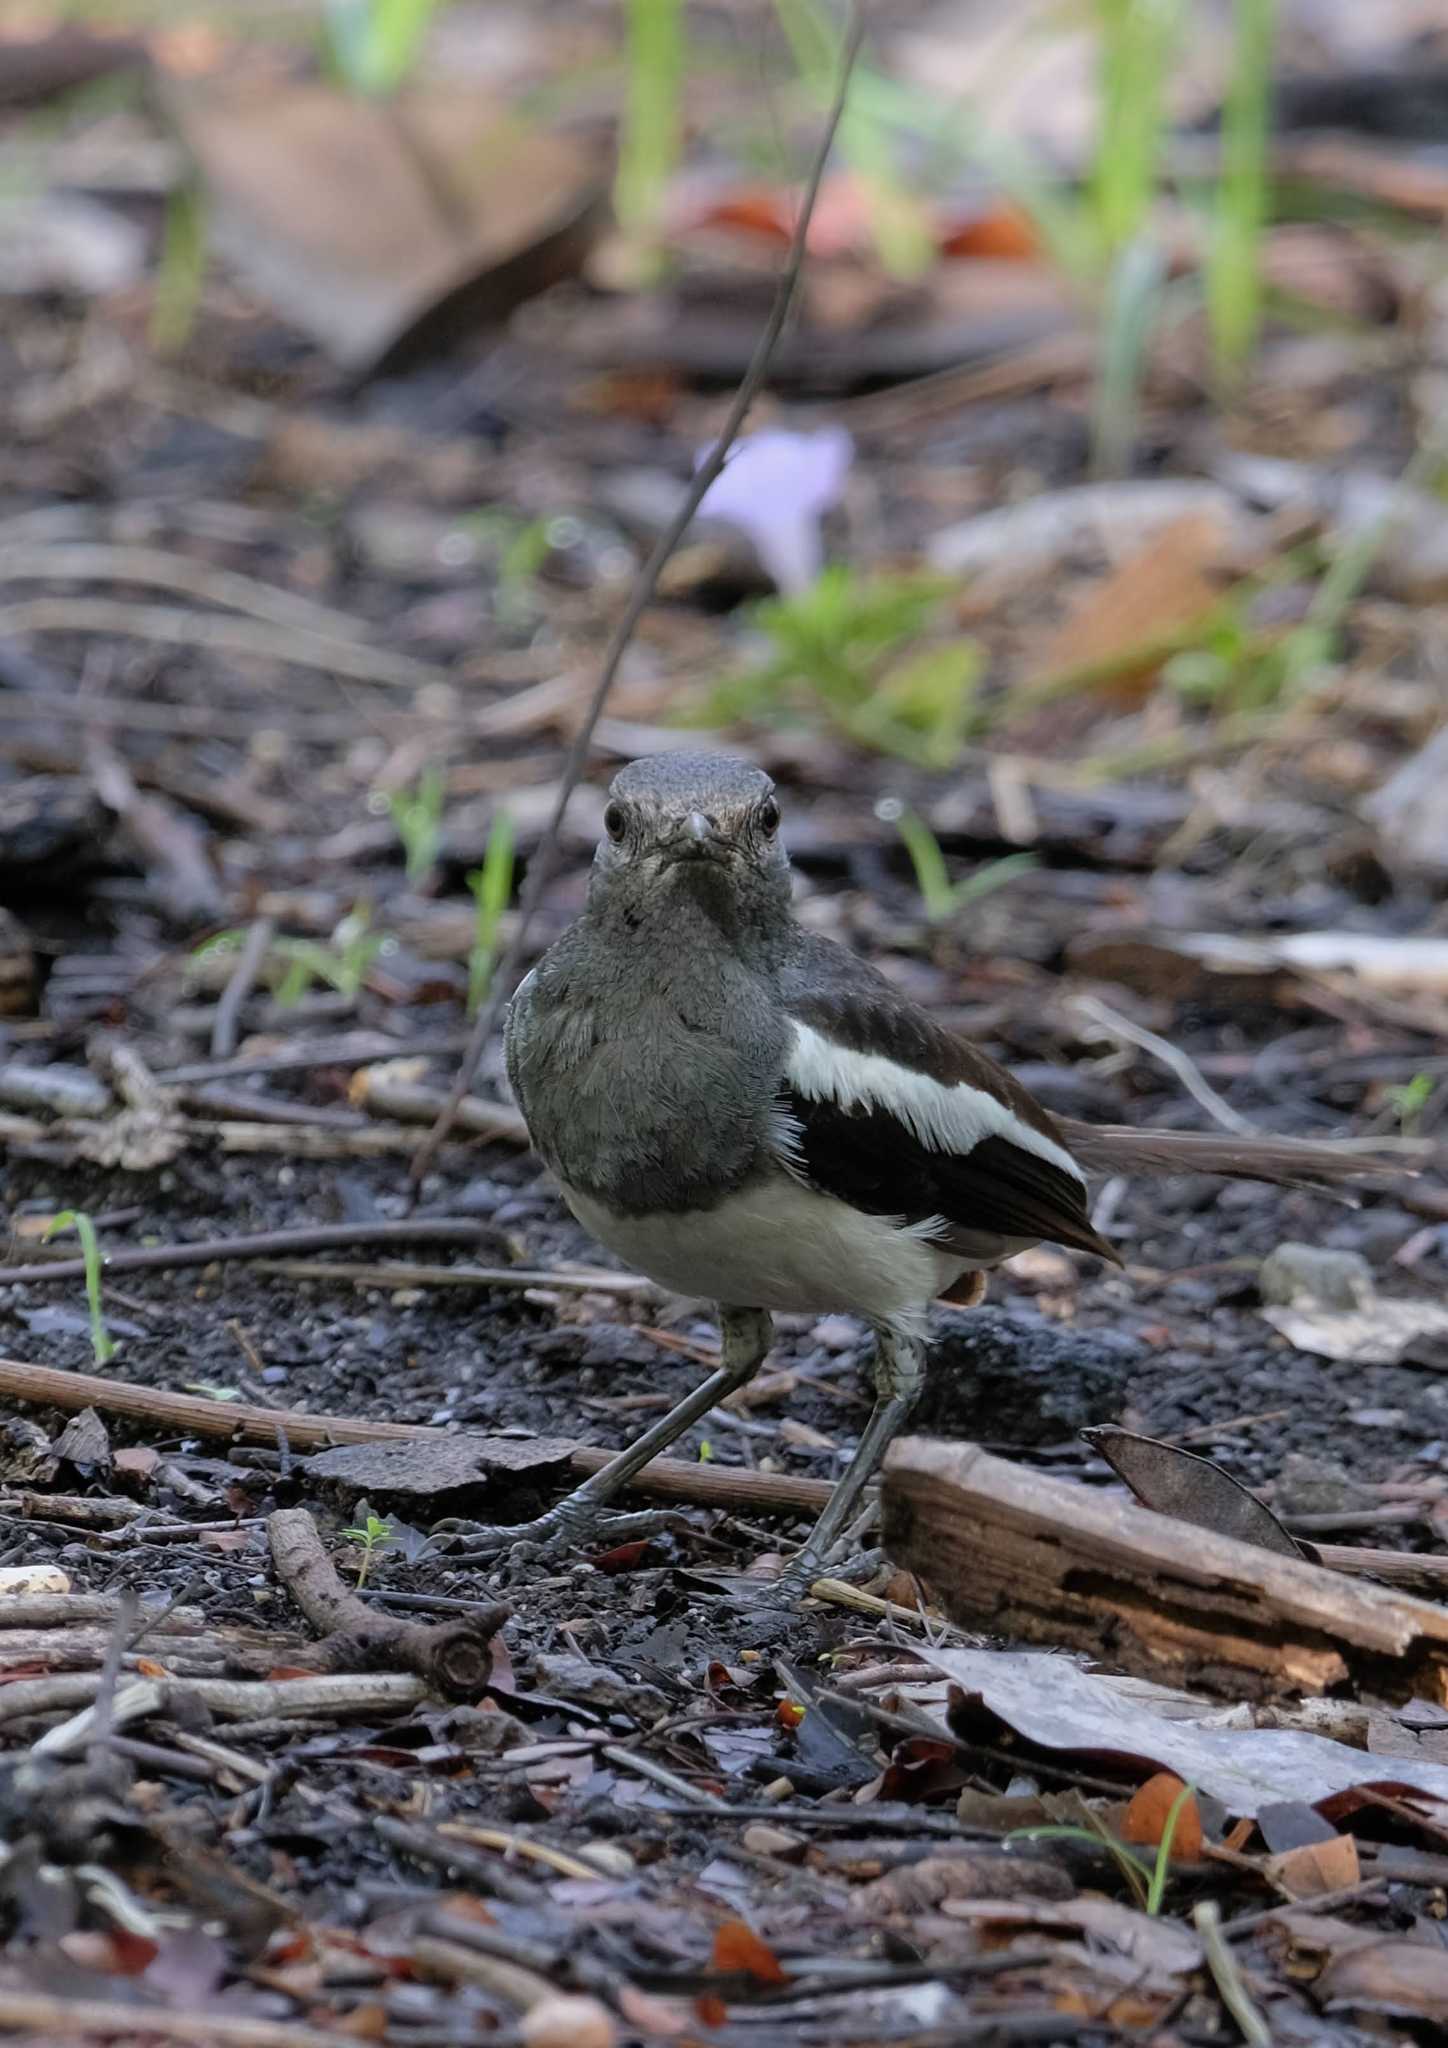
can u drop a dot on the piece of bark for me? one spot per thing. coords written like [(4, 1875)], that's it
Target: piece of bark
[(1040, 1559)]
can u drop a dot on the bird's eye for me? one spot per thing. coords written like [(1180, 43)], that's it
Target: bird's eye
[(767, 817), (615, 819)]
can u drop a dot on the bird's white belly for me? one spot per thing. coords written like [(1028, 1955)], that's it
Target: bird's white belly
[(779, 1245)]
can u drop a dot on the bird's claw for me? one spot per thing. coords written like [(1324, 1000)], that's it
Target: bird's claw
[(549, 1536)]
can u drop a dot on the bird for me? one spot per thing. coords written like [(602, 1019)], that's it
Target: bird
[(749, 1113)]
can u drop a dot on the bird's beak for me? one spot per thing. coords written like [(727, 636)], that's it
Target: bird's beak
[(699, 838)]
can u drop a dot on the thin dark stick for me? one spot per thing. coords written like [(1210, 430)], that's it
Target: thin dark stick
[(225, 1026), (540, 868), (264, 1244)]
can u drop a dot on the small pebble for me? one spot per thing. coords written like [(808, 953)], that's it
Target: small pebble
[(17, 1580), (568, 2023), (1297, 1273)]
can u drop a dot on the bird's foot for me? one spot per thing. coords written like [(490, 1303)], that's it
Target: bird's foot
[(549, 1535), (801, 1573)]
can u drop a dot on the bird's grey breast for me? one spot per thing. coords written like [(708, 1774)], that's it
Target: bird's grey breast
[(647, 1083)]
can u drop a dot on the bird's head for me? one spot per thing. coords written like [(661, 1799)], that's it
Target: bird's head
[(704, 825)]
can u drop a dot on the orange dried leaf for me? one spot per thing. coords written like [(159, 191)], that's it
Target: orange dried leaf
[(1004, 234), (738, 1947), (1315, 1867), (710, 2009), (1150, 1808), (789, 1713), (1161, 589)]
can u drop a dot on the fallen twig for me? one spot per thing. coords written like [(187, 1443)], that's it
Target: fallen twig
[(227, 1022), (236, 1699), (1171, 1056), (316, 1237), (452, 1657), (182, 575), (709, 1485), (401, 1274), (170, 626), (72, 2019)]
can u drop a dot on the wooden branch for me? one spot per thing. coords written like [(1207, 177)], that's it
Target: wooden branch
[(452, 1656), (1042, 1559), (42, 2017), (715, 1486)]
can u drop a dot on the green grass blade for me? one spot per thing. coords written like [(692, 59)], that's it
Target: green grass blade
[(1233, 273), (1138, 40), (653, 112), (1134, 295)]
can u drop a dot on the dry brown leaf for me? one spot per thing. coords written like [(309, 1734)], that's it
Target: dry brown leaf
[(385, 231), (1156, 591), (1316, 1867), (1393, 1976)]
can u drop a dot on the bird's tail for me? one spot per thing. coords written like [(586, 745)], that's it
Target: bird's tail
[(1118, 1148)]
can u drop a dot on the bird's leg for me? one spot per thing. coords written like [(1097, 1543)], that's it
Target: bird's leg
[(745, 1335), (899, 1376)]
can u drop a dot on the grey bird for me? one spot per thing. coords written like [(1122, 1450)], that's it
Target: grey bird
[(748, 1113)]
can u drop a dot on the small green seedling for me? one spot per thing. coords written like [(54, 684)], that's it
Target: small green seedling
[(1161, 1869), (341, 962), (1408, 1100), (859, 651), (103, 1344), (492, 885), (1148, 1880), (374, 1535), (181, 272), (941, 897), (417, 814)]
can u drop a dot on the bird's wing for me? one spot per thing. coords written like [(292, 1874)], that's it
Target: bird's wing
[(901, 1118)]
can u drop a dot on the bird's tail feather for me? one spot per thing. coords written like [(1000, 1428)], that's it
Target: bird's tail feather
[(1118, 1148)]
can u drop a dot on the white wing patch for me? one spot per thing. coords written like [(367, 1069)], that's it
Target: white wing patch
[(943, 1118)]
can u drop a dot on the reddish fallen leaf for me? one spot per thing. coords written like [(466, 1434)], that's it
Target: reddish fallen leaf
[(149, 1668), (289, 1943), (738, 1947), (112, 1951), (922, 1769), (280, 1672), (1004, 234), (710, 2009), (1149, 1811), (624, 1558)]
